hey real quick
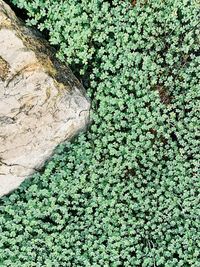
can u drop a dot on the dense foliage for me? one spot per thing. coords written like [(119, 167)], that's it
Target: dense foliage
[(125, 193)]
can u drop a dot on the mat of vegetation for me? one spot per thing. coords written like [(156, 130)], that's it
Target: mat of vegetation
[(127, 192)]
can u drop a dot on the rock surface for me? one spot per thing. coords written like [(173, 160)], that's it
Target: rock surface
[(41, 102)]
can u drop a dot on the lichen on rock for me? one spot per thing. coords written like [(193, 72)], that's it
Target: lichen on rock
[(4, 69)]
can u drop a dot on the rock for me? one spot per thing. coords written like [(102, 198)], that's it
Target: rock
[(42, 104)]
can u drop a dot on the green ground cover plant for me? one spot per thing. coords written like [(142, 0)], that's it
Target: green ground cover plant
[(126, 192)]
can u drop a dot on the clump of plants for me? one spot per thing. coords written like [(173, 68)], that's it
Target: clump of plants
[(126, 192)]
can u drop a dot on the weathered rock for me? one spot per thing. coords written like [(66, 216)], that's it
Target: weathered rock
[(41, 102)]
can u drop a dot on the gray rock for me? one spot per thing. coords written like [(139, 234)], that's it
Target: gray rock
[(42, 104)]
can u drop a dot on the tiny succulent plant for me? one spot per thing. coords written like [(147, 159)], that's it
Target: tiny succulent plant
[(126, 192)]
